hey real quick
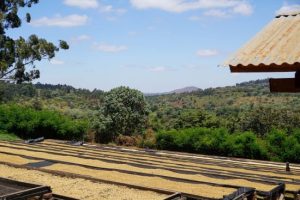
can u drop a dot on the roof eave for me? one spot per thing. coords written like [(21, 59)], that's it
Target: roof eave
[(285, 67)]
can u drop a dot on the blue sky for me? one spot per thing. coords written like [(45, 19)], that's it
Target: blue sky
[(150, 45)]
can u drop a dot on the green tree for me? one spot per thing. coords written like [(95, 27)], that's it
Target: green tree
[(100, 125), (190, 118), (246, 145), (127, 110), (262, 120), (17, 56)]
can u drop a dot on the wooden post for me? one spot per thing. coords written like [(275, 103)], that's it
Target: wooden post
[(287, 167), (252, 196), (283, 85), (297, 79)]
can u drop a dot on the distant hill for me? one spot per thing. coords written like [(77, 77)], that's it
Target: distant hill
[(177, 91), (242, 96), (184, 90)]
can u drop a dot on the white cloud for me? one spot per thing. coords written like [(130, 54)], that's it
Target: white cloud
[(289, 9), (149, 68), (109, 9), (109, 48), (84, 4), (151, 28), (110, 12), (132, 33), (195, 18), (243, 9), (157, 69), (241, 6), (131, 66), (60, 21), (207, 52), (57, 62), (216, 13), (193, 67), (81, 38)]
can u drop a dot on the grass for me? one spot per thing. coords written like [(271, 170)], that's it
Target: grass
[(5, 136)]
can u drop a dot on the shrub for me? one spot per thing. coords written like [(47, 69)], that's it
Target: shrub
[(125, 140), (165, 140), (291, 151), (212, 142), (283, 147), (246, 145), (4, 135), (148, 140), (30, 123)]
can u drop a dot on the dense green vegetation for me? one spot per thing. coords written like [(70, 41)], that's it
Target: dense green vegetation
[(30, 123), (245, 120), (5, 136), (276, 146), (124, 112), (246, 106)]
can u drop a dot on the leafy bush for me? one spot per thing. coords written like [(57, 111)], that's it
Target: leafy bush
[(148, 140), (212, 142), (283, 147), (4, 135), (291, 151), (202, 140), (166, 140), (30, 123), (125, 140), (246, 145)]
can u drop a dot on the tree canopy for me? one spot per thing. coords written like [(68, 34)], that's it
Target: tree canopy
[(17, 56), (127, 110)]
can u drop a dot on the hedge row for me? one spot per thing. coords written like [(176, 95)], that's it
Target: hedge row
[(29, 123), (277, 145)]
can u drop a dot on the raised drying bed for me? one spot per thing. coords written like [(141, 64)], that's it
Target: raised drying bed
[(147, 169), (68, 158), (16, 190), (77, 188)]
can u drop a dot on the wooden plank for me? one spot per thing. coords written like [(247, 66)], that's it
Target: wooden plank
[(287, 85), (61, 197), (24, 194), (176, 196), (242, 193)]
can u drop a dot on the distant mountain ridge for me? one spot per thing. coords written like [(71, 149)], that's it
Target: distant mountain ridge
[(177, 91), (68, 88), (244, 95), (185, 90)]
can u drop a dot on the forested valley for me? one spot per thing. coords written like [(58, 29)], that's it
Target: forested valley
[(245, 120)]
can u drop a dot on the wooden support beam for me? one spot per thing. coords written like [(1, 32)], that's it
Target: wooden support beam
[(284, 85)]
